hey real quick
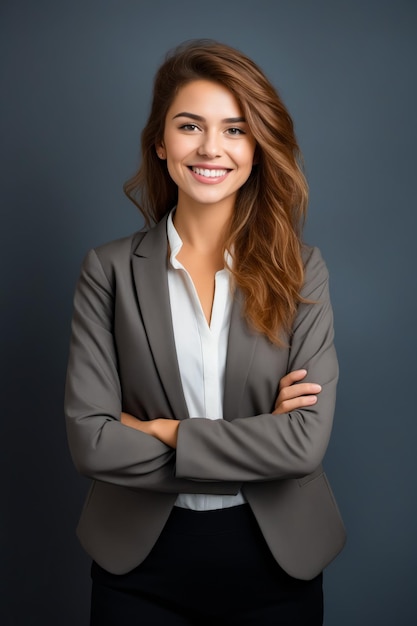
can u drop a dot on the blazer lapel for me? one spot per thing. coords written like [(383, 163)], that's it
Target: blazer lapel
[(240, 350), (151, 279)]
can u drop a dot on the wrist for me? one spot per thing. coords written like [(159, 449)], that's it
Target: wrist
[(166, 430)]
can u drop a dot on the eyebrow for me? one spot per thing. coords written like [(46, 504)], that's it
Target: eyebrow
[(199, 118)]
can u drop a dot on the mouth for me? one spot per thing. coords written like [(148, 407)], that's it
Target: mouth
[(209, 173)]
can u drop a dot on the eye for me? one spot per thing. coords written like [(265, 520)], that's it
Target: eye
[(235, 131), (189, 127)]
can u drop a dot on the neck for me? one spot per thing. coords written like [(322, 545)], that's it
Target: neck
[(202, 227)]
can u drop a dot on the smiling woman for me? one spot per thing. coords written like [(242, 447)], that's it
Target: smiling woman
[(202, 375)]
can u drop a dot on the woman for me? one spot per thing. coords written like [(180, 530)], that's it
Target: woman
[(217, 311)]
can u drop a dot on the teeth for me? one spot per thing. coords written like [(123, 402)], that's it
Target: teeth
[(209, 173)]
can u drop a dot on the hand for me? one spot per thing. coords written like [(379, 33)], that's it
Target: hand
[(165, 430), (295, 395)]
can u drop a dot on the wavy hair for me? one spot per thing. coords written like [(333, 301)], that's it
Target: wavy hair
[(266, 227)]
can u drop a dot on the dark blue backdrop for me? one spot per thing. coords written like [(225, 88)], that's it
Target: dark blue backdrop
[(76, 80)]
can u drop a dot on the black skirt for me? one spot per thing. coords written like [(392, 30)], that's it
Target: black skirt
[(207, 568)]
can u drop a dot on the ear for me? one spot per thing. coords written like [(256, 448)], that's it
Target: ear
[(160, 151)]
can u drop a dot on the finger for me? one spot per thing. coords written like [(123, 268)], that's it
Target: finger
[(295, 403), (294, 391), (292, 377)]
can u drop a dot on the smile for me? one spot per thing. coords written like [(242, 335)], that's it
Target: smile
[(209, 173)]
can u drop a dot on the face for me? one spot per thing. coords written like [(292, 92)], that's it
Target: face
[(207, 144)]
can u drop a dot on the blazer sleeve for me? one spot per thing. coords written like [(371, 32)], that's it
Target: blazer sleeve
[(101, 446), (268, 447)]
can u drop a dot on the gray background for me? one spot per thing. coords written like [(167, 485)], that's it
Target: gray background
[(76, 77)]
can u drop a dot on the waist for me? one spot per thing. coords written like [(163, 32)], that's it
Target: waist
[(208, 502)]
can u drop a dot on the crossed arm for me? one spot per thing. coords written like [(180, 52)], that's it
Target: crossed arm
[(174, 456), (292, 395)]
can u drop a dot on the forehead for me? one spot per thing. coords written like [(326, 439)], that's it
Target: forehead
[(205, 98)]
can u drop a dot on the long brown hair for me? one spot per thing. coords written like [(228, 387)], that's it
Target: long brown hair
[(265, 230)]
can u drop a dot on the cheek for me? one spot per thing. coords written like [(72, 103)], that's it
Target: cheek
[(176, 153), (175, 167), (246, 156), (172, 171)]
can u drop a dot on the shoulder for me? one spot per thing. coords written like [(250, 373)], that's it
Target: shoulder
[(315, 269), (104, 261), (312, 257), (145, 242), (118, 249)]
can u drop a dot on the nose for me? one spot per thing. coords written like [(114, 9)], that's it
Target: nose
[(210, 145)]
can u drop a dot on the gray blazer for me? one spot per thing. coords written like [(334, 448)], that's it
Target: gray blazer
[(122, 357)]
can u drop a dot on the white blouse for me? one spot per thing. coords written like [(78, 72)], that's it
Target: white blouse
[(201, 353)]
